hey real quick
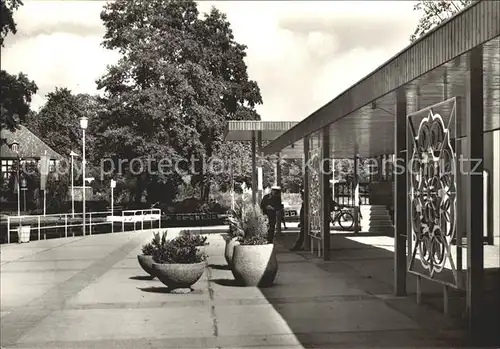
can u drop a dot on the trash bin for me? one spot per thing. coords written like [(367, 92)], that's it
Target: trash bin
[(23, 233)]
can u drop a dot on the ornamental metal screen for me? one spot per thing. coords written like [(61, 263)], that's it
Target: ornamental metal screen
[(433, 194), (314, 187)]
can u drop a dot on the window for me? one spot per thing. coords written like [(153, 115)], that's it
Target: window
[(7, 168)]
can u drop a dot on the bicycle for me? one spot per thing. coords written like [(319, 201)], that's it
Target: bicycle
[(343, 216)]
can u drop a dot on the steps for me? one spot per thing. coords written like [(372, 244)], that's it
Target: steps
[(376, 220)]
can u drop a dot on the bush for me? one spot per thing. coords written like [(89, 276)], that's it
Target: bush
[(184, 249), (195, 205), (188, 205), (155, 243), (253, 240), (197, 239), (213, 207)]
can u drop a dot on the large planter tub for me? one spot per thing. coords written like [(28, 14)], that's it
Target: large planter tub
[(229, 250), (179, 276), (146, 262), (255, 265)]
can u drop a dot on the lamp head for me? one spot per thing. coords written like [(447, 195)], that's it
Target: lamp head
[(84, 122), (14, 146), (73, 153)]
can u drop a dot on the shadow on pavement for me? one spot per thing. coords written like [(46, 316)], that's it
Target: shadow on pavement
[(227, 282), (142, 277), (219, 266), (366, 263), (349, 302), (155, 289)]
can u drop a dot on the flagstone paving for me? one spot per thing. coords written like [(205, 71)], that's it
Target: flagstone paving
[(90, 292)]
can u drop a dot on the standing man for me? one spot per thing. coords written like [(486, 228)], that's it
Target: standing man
[(271, 205), (302, 233)]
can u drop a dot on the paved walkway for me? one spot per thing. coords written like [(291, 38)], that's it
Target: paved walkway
[(90, 292)]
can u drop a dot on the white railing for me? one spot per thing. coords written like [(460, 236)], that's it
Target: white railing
[(136, 216), (71, 222)]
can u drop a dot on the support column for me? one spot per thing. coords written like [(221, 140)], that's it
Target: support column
[(259, 163), (379, 168), (355, 199), (254, 170), (489, 157), (400, 196), (307, 224), (475, 144), (325, 190), (277, 169), (278, 183), (495, 188)]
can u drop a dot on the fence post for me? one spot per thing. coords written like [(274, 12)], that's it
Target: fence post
[(65, 225), (8, 230), (159, 222), (90, 223), (142, 220), (123, 221), (39, 232), (112, 222)]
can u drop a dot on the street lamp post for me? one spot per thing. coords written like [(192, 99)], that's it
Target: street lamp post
[(14, 146), (113, 186), (83, 124), (24, 188), (72, 154)]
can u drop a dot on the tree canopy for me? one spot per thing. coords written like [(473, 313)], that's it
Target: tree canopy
[(58, 121), (180, 77), (8, 24), (16, 90), (434, 13)]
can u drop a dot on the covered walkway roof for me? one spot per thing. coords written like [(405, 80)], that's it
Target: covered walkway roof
[(245, 130), (264, 131), (430, 69)]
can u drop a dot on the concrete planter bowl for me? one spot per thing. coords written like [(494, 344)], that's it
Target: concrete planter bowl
[(229, 250), (179, 277), (146, 262), (255, 265)]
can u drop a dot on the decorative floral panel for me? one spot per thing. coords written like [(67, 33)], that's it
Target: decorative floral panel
[(314, 187), (432, 166)]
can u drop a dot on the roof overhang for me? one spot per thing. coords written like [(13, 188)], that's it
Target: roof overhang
[(360, 125), (265, 130)]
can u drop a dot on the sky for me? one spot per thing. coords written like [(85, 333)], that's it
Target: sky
[(301, 53)]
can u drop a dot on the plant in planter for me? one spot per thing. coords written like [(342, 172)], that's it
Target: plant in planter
[(196, 239), (179, 263), (146, 258), (254, 261), (231, 238)]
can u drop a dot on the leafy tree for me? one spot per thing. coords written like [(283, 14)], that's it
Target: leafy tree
[(224, 58), (8, 24), (434, 13), (237, 157), (58, 122), (292, 175), (179, 79), (16, 90)]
